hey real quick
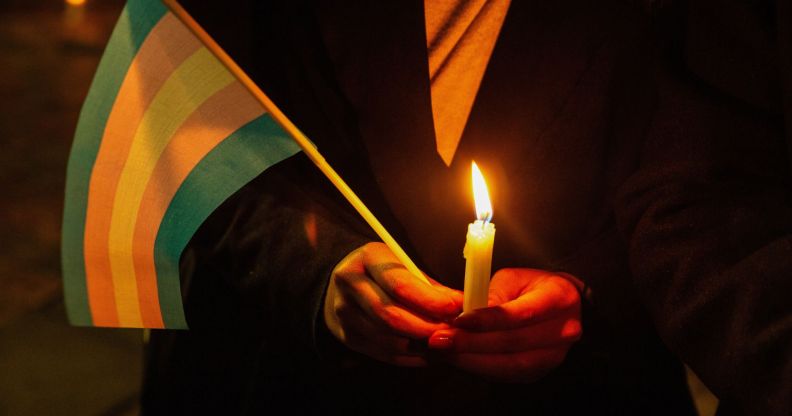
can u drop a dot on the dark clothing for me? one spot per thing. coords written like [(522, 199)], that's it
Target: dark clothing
[(709, 214), (607, 158)]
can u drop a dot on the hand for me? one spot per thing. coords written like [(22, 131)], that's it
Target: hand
[(532, 319), (376, 307)]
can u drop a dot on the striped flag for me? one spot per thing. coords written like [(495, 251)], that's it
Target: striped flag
[(166, 134)]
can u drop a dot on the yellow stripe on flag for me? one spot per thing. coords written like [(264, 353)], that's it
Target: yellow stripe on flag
[(193, 82)]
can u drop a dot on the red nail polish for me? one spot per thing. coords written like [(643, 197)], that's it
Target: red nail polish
[(441, 342)]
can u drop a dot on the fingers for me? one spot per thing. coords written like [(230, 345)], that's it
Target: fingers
[(377, 305), (510, 283), (510, 367), (521, 299), (456, 295), (363, 335), (532, 321), (546, 334), (435, 300)]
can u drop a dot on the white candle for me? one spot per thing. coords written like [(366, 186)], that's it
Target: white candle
[(478, 247)]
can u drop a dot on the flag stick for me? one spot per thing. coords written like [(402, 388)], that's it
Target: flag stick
[(306, 145)]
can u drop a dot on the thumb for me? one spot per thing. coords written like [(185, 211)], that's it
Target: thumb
[(456, 295)]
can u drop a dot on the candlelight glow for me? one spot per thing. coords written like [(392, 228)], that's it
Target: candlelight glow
[(481, 196), (75, 2)]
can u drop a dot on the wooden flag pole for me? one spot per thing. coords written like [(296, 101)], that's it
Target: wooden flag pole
[(306, 145)]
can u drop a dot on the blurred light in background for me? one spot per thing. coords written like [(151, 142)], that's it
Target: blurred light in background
[(74, 14)]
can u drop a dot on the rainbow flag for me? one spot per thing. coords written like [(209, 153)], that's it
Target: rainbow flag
[(165, 135)]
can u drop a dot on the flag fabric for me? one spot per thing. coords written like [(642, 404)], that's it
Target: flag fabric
[(165, 135)]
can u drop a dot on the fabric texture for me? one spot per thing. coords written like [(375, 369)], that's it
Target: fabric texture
[(710, 217)]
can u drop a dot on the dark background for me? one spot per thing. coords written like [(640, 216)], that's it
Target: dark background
[(48, 54)]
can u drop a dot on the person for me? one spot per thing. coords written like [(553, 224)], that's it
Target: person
[(634, 205)]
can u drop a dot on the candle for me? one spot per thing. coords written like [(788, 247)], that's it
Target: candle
[(478, 247)]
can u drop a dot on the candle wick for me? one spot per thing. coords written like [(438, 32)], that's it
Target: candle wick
[(485, 219)]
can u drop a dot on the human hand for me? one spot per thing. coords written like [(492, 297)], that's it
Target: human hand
[(532, 320), (376, 307)]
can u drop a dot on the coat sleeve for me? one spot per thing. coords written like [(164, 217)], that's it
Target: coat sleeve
[(270, 250), (709, 225)]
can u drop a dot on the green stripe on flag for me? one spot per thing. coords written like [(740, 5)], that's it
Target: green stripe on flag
[(134, 24), (227, 168)]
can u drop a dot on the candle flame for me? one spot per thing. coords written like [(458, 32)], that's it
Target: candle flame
[(75, 2), (481, 196)]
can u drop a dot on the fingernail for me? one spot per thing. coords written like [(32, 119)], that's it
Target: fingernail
[(465, 319), (441, 341)]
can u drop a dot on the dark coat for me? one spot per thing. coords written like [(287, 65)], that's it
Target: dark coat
[(610, 156)]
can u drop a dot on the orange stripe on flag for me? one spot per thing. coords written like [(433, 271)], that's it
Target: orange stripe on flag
[(168, 44), (216, 119)]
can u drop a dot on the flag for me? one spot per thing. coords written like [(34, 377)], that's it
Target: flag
[(165, 135)]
